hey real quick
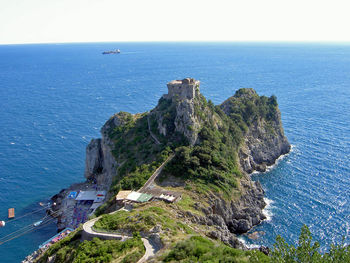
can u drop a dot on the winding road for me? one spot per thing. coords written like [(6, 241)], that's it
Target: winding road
[(151, 247), (89, 232)]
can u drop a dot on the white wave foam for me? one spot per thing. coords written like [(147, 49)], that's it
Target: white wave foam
[(267, 211), (246, 244), (12, 143), (271, 167)]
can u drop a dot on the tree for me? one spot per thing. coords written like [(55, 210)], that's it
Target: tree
[(308, 251)]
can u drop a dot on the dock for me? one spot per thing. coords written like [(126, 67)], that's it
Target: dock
[(11, 213)]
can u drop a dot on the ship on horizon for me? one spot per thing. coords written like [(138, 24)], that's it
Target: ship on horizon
[(117, 51)]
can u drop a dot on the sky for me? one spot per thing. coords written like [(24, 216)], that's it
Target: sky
[(60, 21)]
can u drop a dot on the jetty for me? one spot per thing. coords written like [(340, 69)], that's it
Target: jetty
[(11, 213)]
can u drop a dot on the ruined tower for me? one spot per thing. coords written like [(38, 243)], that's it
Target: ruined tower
[(183, 89)]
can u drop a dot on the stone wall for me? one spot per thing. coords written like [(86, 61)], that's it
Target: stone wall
[(183, 89)]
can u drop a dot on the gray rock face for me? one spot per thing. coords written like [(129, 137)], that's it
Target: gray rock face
[(235, 216), (185, 98), (186, 122), (94, 158), (262, 146), (100, 165), (264, 141)]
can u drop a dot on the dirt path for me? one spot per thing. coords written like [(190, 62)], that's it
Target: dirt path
[(150, 181)]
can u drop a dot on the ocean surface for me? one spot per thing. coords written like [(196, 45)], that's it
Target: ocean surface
[(55, 98)]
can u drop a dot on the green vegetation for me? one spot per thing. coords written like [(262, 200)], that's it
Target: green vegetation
[(139, 219), (168, 110), (72, 250), (247, 104), (212, 164), (209, 165), (308, 251), (188, 204), (136, 151), (200, 249)]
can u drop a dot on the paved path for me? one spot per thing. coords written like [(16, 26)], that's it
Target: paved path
[(87, 227), (151, 133), (150, 247), (151, 250), (150, 181)]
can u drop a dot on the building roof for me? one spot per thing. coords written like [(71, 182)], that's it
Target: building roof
[(133, 196), (144, 198), (122, 194), (96, 196), (169, 198), (138, 197)]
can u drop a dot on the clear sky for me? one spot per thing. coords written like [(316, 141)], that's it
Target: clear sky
[(52, 21)]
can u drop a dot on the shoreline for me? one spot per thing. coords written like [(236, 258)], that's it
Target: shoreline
[(269, 168), (71, 212), (244, 238)]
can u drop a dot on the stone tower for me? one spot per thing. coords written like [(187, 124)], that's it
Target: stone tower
[(183, 89)]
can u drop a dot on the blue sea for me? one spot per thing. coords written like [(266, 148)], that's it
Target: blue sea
[(55, 98)]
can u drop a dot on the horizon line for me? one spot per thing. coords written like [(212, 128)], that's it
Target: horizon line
[(188, 41)]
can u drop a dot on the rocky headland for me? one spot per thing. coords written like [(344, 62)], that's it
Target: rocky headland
[(215, 149)]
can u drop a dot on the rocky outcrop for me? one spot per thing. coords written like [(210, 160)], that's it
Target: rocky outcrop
[(182, 110), (100, 165), (100, 169), (263, 145), (235, 216), (186, 122), (185, 111), (94, 159), (264, 141)]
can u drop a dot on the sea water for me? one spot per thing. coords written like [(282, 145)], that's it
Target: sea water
[(55, 98)]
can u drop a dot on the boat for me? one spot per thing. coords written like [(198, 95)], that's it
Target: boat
[(38, 223), (11, 213), (117, 51)]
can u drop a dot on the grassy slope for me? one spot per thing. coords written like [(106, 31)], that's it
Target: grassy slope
[(72, 250), (183, 241)]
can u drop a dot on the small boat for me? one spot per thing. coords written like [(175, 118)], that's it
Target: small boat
[(2, 223), (11, 213), (38, 223)]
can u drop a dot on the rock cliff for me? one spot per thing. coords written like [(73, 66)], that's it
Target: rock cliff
[(184, 112), (264, 140), (100, 164)]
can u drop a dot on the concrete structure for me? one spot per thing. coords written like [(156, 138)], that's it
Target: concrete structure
[(122, 195), (183, 89), (132, 196), (96, 196)]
